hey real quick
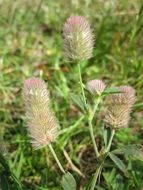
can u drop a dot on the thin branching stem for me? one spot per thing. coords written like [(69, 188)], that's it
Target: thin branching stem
[(110, 140), (56, 159), (81, 84), (92, 137), (90, 118), (96, 106)]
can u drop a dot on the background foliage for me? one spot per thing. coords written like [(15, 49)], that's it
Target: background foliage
[(31, 45)]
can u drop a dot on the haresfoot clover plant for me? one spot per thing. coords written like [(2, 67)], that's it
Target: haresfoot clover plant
[(78, 46), (42, 124)]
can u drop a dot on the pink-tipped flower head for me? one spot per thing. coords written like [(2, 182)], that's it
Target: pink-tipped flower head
[(126, 95), (78, 38), (96, 86), (121, 104), (42, 124)]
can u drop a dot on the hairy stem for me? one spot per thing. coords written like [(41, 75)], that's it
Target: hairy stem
[(56, 159)]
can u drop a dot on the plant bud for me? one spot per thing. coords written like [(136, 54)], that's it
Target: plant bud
[(96, 86)]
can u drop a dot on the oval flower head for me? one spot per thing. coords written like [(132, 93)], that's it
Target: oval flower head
[(126, 95), (96, 86), (118, 113), (42, 124), (78, 38)]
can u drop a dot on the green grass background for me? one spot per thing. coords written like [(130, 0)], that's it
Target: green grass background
[(31, 45)]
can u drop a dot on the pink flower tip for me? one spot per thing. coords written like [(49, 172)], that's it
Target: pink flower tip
[(96, 86)]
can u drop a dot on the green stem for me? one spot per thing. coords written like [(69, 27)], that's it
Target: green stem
[(91, 127), (96, 106), (81, 84), (92, 137), (90, 116), (110, 140), (56, 158)]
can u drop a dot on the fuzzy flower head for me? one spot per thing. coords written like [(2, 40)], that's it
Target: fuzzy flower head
[(126, 96), (42, 124), (78, 38), (96, 86), (121, 104)]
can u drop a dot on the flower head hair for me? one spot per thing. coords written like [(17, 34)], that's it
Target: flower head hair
[(42, 124), (96, 86), (118, 113), (78, 38)]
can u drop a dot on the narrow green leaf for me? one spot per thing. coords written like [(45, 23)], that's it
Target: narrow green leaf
[(109, 176), (78, 101), (16, 181), (131, 151), (111, 90), (19, 166), (118, 162), (92, 184), (4, 185), (95, 178), (69, 182), (4, 163)]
